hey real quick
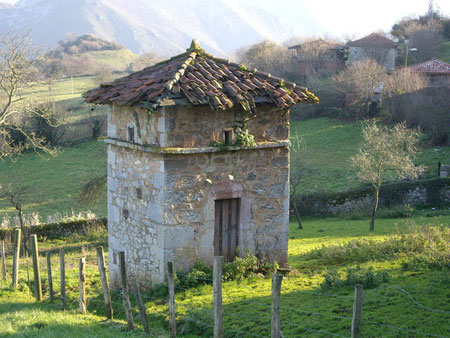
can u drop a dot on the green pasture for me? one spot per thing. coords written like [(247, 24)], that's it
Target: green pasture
[(307, 310), (53, 183)]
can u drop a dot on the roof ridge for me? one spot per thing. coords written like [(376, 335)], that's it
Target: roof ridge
[(219, 82), (176, 77)]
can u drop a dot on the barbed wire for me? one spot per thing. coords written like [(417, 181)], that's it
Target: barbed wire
[(315, 313), (314, 330), (412, 299), (403, 329)]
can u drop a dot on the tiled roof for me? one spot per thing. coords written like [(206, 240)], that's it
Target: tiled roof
[(433, 66), (373, 40), (320, 43), (201, 79)]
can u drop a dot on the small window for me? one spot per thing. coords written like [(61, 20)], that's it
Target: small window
[(125, 213), (131, 134), (228, 136), (139, 193)]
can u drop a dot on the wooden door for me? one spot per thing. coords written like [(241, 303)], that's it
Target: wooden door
[(226, 228)]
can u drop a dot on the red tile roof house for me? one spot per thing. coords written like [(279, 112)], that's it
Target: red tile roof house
[(374, 46), (318, 56), (436, 71), (185, 180)]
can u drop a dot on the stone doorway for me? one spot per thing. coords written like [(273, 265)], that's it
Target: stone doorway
[(226, 228)]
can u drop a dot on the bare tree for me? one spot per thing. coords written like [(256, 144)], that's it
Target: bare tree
[(403, 81), (359, 81), (19, 60), (385, 154), (143, 61), (427, 39), (266, 56)]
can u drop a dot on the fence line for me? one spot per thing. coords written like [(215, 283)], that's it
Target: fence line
[(211, 315), (412, 299)]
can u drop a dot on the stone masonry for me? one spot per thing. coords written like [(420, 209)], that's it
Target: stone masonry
[(198, 164), (161, 195)]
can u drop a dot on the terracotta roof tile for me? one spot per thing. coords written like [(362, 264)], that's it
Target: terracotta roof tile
[(434, 66), (372, 40), (202, 79), (320, 43)]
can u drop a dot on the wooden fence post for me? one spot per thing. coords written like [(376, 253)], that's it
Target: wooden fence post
[(171, 285), (125, 295), (3, 261), (15, 274), (48, 256), (104, 279), (36, 269), (217, 294), (62, 273), (141, 306), (82, 286), (357, 311), (276, 300)]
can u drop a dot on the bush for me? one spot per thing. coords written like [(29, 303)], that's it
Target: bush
[(354, 275), (239, 269), (427, 245), (356, 203), (69, 227)]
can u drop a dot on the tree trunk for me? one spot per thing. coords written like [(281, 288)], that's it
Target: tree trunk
[(297, 215), (375, 207)]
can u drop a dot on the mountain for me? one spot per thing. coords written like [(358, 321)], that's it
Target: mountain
[(165, 27), (4, 5)]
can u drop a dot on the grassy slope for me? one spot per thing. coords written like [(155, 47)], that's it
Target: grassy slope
[(246, 304), (444, 53), (55, 182), (115, 59), (330, 144)]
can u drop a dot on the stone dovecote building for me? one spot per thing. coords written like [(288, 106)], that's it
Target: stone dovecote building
[(198, 163)]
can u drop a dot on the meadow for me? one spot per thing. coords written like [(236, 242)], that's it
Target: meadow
[(52, 184), (406, 293), (413, 299)]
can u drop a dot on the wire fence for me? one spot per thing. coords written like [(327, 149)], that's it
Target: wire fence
[(238, 312)]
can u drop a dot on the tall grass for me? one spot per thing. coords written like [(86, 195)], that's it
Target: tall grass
[(428, 245)]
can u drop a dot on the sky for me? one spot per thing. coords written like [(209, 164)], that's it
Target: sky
[(355, 18)]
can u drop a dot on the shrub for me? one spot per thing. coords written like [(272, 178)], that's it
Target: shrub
[(427, 245), (239, 269), (354, 275), (244, 139)]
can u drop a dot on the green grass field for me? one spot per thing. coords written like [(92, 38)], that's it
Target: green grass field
[(307, 310), (114, 59), (444, 53), (54, 183), (329, 144)]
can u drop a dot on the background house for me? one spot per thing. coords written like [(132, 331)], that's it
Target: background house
[(198, 164), (436, 71), (318, 57), (374, 46)]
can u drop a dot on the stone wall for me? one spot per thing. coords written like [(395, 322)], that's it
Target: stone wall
[(135, 212), (428, 193), (439, 80), (384, 55), (193, 183), (177, 126), (161, 205)]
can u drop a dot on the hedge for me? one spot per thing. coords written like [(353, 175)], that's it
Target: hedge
[(393, 194), (58, 230)]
